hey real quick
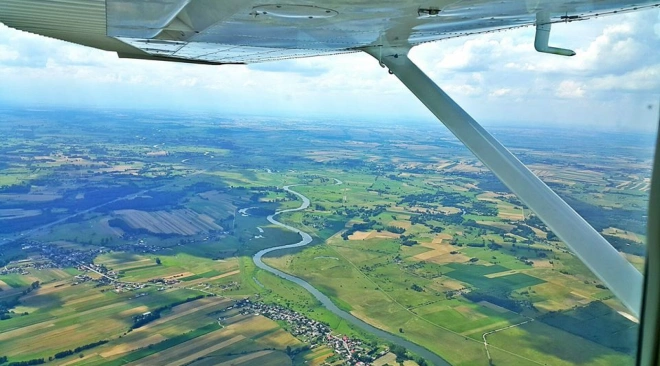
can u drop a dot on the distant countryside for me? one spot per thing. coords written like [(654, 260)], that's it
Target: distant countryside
[(129, 238)]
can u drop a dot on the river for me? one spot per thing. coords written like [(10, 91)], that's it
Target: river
[(327, 303)]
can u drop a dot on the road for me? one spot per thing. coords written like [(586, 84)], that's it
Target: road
[(499, 330)]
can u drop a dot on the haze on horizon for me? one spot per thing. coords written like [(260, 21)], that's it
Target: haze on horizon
[(612, 83)]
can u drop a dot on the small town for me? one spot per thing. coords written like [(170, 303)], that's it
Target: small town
[(351, 351)]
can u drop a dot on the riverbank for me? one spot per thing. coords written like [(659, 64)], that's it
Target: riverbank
[(327, 303)]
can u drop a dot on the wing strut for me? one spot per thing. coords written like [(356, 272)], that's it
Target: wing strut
[(599, 256)]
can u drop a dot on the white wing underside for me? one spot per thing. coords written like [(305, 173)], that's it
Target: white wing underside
[(240, 31)]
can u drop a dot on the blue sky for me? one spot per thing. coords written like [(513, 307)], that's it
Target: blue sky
[(613, 82)]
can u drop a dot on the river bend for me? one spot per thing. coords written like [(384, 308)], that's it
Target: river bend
[(327, 303)]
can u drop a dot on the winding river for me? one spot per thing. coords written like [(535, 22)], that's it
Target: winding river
[(327, 303)]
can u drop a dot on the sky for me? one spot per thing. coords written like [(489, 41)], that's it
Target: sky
[(612, 83)]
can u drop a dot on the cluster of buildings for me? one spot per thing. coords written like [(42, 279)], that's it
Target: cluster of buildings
[(82, 278), (62, 257), (164, 281), (57, 256), (129, 286), (110, 277), (16, 269), (300, 326), (352, 351), (140, 246), (50, 255)]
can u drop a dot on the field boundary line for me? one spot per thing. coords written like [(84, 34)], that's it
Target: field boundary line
[(428, 321)]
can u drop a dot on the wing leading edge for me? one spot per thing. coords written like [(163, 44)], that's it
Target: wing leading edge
[(239, 31)]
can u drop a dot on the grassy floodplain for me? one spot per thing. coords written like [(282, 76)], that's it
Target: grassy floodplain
[(141, 213)]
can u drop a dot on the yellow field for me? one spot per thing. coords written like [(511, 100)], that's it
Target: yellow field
[(245, 359), (539, 233), (636, 184), (318, 356), (359, 235), (503, 273), (514, 216), (55, 338), (205, 280), (4, 286), (387, 359), (445, 283), (209, 340), (44, 290), (622, 234), (133, 264), (373, 234), (134, 311), (132, 346), (636, 261), (252, 325), (559, 296), (279, 339), (17, 333), (488, 196), (441, 251), (401, 223), (241, 332), (83, 299), (251, 328), (467, 167), (542, 263)]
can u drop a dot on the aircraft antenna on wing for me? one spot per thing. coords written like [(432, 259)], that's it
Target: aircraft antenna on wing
[(542, 37)]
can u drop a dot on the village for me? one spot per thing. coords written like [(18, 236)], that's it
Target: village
[(48, 255), (51, 255), (314, 333)]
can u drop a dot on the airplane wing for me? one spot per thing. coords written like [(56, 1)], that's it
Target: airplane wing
[(243, 31)]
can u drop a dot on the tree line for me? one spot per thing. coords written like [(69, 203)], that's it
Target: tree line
[(143, 319), (79, 349)]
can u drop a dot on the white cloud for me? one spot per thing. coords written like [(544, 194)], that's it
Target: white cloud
[(494, 76), (500, 92), (8, 54), (188, 82), (644, 79), (570, 89), (465, 89)]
